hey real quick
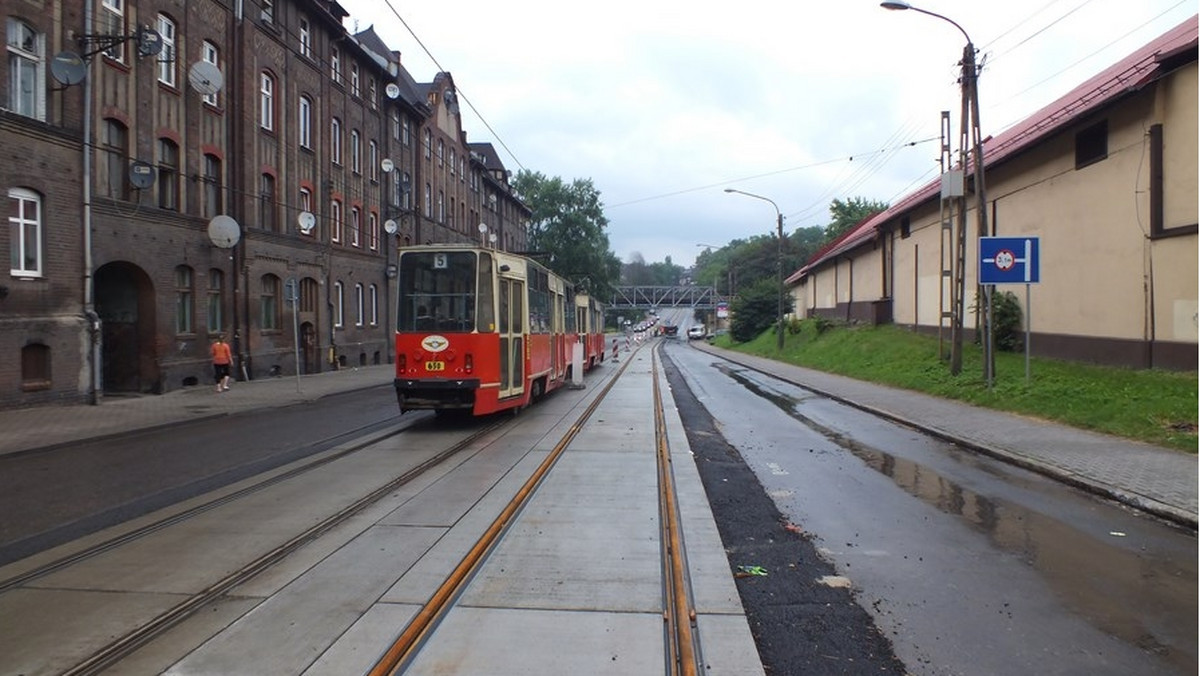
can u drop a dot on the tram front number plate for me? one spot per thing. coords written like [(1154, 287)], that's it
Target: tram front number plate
[(435, 366)]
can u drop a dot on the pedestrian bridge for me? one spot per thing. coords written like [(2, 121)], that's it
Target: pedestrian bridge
[(653, 297)]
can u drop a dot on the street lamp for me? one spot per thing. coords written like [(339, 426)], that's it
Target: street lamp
[(970, 120), (778, 261)]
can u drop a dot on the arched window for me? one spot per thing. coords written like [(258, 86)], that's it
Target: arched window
[(359, 305), (335, 140), (355, 227), (339, 309), (25, 232), (115, 148), (269, 305), (335, 221), (373, 299), (373, 231), (168, 174), (355, 152), (26, 70), (304, 122), (184, 303)]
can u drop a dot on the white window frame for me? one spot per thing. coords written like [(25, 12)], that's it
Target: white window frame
[(355, 227), (339, 309), (26, 92), (373, 231), (22, 228), (374, 306), (266, 111), (335, 140), (305, 38), (166, 57), (359, 304), (335, 221), (210, 54), (355, 151), (354, 81), (335, 65), (115, 10), (373, 160), (304, 122)]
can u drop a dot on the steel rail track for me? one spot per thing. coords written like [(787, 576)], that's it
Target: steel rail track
[(125, 645)]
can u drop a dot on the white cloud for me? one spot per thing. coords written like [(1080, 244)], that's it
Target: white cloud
[(662, 103)]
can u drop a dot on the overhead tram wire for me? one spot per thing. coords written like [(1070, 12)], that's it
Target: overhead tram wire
[(458, 90)]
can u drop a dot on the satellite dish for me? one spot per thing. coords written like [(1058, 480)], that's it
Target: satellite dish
[(387, 165), (149, 42), (141, 174), (68, 68), (391, 90), (482, 228), (205, 78), (224, 232), (448, 95), (389, 226), (306, 221)]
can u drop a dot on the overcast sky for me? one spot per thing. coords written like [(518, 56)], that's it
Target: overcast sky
[(664, 103)]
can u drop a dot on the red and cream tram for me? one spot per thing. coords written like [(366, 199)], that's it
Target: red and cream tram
[(480, 330)]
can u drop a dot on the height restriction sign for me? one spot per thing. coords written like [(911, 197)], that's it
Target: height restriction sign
[(1008, 260)]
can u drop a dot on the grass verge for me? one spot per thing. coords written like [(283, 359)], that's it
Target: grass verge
[(1155, 406)]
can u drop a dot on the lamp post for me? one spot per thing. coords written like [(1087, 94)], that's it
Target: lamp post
[(970, 120), (778, 262)]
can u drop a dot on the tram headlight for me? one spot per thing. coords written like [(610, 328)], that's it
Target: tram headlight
[(469, 363)]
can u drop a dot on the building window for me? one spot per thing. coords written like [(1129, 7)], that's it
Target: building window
[(335, 221), (355, 152), (168, 174), (213, 188), (209, 54), (215, 318), (428, 144), (441, 155), (372, 94), (26, 70), (406, 132), (114, 145), (360, 309), (268, 10), (335, 140), (373, 231), (354, 91), (306, 206), (183, 300), (396, 125), (266, 200), (305, 38), (25, 232), (428, 201), (269, 306), (441, 207), (112, 22), (355, 226), (452, 161), (373, 160), (35, 367), (405, 192), (266, 109), (339, 309), (373, 304), (335, 65), (166, 57), (1091, 144), (304, 122)]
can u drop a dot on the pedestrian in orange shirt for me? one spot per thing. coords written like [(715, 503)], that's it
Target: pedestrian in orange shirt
[(222, 359)]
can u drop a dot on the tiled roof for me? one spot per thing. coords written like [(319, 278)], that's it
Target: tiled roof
[(1128, 75)]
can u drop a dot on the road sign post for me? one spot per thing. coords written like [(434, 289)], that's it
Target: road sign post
[(291, 293), (1010, 260)]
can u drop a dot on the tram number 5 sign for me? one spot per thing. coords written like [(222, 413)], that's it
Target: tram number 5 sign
[(1008, 260)]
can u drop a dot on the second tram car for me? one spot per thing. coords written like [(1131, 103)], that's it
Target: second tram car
[(480, 330)]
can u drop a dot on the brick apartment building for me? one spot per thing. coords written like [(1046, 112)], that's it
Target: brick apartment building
[(176, 169)]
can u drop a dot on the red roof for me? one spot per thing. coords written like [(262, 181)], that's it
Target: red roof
[(1126, 76)]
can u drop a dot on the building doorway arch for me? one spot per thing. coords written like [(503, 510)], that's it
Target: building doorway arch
[(125, 303)]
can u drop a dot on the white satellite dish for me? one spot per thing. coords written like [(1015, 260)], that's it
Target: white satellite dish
[(205, 78), (387, 165), (389, 226), (306, 221), (224, 232), (391, 90)]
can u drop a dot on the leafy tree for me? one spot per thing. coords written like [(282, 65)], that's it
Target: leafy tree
[(568, 226), (850, 213), (755, 309)]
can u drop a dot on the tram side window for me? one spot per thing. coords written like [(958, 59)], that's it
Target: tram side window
[(486, 314), (539, 300), (437, 292)]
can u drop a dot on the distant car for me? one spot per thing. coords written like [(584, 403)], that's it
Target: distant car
[(697, 332)]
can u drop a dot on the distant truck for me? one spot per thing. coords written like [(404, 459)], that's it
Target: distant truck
[(670, 330)]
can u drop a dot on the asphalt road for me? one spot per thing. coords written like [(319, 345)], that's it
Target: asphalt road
[(966, 565), (54, 496)]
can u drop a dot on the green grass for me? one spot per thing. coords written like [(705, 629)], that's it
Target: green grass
[(1154, 406)]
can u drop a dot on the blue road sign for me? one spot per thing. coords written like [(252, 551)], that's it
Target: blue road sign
[(1008, 260)]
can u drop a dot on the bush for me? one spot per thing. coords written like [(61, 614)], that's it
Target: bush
[(1006, 322)]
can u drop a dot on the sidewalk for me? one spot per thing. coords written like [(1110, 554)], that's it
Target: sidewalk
[(1161, 481), (48, 426)]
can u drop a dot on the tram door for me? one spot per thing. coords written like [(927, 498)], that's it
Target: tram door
[(512, 340)]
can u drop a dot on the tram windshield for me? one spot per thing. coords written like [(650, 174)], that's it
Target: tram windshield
[(437, 291)]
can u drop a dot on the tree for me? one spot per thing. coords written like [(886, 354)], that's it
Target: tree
[(850, 213), (755, 310), (568, 226)]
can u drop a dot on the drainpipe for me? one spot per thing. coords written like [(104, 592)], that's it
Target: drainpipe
[(89, 300)]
